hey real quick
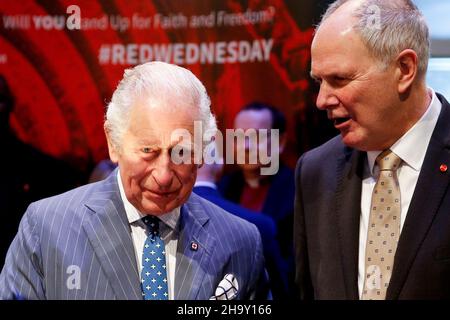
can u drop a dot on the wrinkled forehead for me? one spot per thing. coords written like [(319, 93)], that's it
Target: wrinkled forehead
[(173, 101), (339, 24), (336, 40), (330, 35), (162, 124)]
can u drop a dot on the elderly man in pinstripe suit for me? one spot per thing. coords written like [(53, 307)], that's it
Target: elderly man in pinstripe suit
[(88, 243)]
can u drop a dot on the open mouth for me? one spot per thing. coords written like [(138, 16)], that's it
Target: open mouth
[(339, 121)]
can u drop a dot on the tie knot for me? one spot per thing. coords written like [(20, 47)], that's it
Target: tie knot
[(152, 224), (388, 160)]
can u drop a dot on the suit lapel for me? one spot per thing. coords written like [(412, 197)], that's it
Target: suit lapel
[(192, 263), (428, 194), (110, 236), (207, 192), (348, 198)]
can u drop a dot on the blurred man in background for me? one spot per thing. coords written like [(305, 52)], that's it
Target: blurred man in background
[(272, 195), (205, 186)]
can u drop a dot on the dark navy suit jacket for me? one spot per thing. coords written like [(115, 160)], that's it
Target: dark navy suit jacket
[(275, 264), (327, 219), (279, 203)]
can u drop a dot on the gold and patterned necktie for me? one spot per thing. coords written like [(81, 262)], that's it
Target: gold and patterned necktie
[(384, 228)]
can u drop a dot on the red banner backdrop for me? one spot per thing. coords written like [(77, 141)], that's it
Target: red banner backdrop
[(63, 59)]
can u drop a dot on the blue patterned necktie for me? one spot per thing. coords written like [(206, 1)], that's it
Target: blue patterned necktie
[(154, 274)]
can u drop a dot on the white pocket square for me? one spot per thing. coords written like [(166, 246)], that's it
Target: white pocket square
[(227, 288)]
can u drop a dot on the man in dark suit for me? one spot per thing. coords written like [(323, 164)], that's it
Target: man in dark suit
[(205, 186), (140, 233), (273, 195), (370, 58)]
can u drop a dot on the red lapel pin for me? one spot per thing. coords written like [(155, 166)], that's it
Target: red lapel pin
[(194, 246), (443, 168)]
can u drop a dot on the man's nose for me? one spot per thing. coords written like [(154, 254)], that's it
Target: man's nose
[(163, 173), (326, 98)]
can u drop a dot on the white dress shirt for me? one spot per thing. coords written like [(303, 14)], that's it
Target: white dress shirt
[(168, 230), (411, 148), (205, 184)]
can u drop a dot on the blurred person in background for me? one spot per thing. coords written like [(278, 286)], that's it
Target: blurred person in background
[(206, 186), (272, 195)]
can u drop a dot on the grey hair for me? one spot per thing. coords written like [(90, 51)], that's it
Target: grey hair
[(159, 82), (401, 26)]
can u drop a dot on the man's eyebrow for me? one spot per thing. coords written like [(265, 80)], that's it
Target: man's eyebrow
[(312, 75), (146, 141)]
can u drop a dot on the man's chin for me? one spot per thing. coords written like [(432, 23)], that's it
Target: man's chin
[(359, 145), (157, 211), (351, 140), (157, 208), (158, 205)]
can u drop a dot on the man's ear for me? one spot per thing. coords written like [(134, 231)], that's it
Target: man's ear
[(113, 152), (406, 64)]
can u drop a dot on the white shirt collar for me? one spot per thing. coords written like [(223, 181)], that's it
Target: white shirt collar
[(412, 146), (133, 214), (205, 184)]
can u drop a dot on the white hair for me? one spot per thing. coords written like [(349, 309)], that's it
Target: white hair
[(399, 26), (159, 82)]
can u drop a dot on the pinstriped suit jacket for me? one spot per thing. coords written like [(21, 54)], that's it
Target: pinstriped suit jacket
[(84, 234)]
